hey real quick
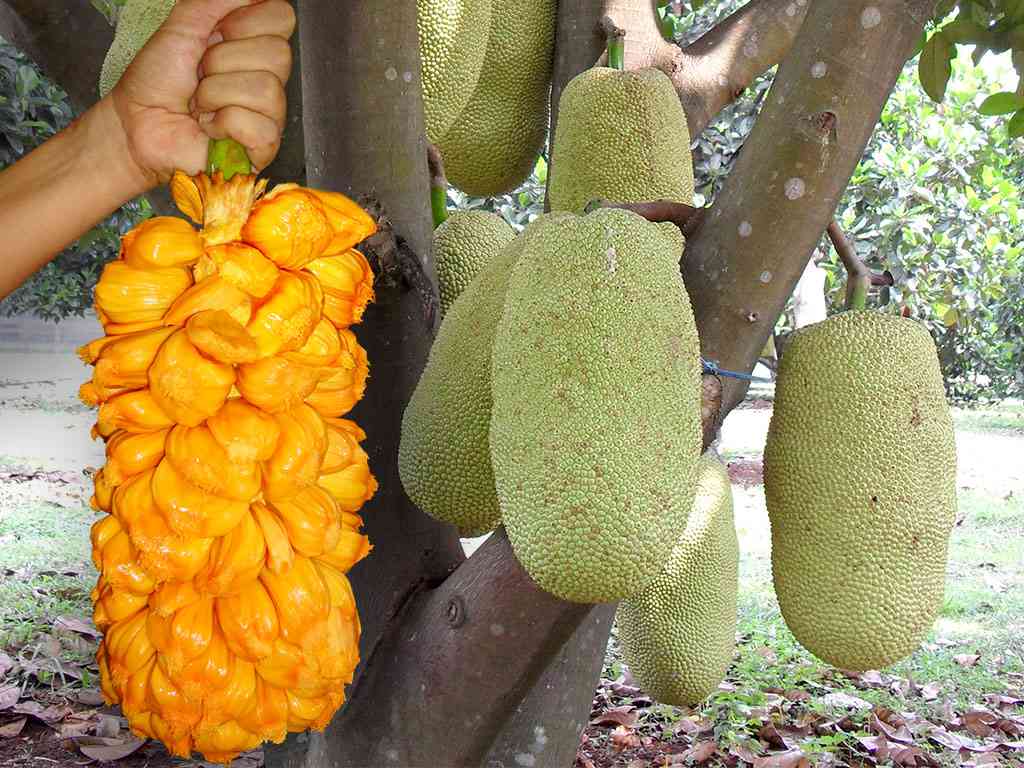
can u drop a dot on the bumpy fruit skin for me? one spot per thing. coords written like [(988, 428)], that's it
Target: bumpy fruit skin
[(231, 488), (463, 244), (678, 635), (621, 136), (444, 457), (453, 42), (595, 430), (860, 480), (493, 144), (136, 23)]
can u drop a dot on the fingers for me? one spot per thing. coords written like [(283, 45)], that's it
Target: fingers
[(259, 134), (260, 92), (198, 18), (267, 53), (270, 17)]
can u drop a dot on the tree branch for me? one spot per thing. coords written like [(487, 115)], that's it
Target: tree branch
[(742, 265), (858, 276), (68, 40), (684, 216)]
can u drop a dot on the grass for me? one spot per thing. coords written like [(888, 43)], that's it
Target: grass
[(1006, 417)]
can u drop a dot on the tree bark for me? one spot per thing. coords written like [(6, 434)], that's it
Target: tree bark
[(742, 265), (68, 40)]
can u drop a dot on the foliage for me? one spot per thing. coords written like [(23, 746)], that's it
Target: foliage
[(937, 201), (33, 109), (995, 26)]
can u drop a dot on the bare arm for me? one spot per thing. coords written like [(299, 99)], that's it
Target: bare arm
[(216, 68)]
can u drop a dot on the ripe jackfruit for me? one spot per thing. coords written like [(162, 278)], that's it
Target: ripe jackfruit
[(453, 42), (136, 22), (860, 481), (462, 246), (227, 615), (621, 136), (678, 634), (444, 458), (595, 431), (493, 144)]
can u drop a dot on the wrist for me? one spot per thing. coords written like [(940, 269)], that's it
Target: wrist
[(108, 153)]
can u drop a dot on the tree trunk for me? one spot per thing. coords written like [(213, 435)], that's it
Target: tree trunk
[(67, 39)]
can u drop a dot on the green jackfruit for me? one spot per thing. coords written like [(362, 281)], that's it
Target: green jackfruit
[(621, 136), (462, 245), (595, 432), (860, 480), (679, 634), (136, 22), (453, 40), (493, 145), (444, 458)]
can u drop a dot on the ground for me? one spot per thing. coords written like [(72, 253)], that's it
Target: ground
[(958, 701)]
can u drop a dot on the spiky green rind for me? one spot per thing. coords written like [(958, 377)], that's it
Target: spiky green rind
[(678, 635), (860, 481), (595, 432), (136, 22), (463, 244), (493, 145), (621, 136)]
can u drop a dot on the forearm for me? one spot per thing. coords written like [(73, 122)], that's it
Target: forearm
[(58, 192)]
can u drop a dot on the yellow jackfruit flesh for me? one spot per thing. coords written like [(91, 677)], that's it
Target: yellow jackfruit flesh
[(463, 244), (227, 615), (621, 136), (678, 635), (595, 429), (492, 146), (860, 482)]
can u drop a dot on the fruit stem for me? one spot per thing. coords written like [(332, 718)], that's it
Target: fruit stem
[(616, 37), (858, 276), (229, 157), (438, 186)]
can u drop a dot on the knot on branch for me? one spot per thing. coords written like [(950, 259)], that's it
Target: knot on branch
[(684, 216), (395, 264), (611, 30)]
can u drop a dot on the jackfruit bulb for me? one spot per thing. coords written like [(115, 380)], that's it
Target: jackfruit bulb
[(453, 38), (444, 457), (463, 244), (493, 144), (678, 635), (137, 20), (621, 136), (595, 433), (860, 481)]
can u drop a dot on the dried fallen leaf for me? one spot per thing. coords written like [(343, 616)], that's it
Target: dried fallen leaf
[(79, 626), (931, 691), (13, 728), (9, 695), (623, 738), (6, 664), (701, 752), (105, 749), (743, 753), (967, 659), (841, 700), (107, 726), (617, 716), (50, 715), (90, 697), (794, 758), (949, 740), (586, 762), (911, 757), (797, 695)]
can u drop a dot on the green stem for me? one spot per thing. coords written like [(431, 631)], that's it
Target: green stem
[(229, 157), (857, 293), (439, 205), (616, 53)]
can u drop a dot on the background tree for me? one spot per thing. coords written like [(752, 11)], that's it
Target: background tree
[(467, 662)]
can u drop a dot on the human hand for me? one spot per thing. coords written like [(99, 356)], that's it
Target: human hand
[(215, 69)]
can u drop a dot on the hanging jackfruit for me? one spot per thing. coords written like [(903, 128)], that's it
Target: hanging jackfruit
[(231, 485)]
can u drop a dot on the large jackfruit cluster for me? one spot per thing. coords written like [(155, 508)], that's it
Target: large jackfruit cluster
[(860, 482), (137, 21), (491, 144), (232, 484), (679, 633)]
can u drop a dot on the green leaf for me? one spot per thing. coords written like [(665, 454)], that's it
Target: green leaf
[(1016, 125), (1002, 103), (935, 66)]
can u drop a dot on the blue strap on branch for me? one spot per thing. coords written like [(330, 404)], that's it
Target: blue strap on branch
[(712, 368)]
